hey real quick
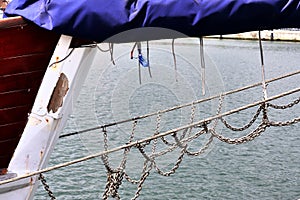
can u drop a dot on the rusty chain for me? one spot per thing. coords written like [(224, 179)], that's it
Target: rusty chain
[(104, 158), (248, 125), (249, 137), (145, 174), (202, 149), (46, 186), (126, 150), (221, 100), (115, 177), (286, 123), (175, 167), (193, 112), (114, 180), (295, 102), (158, 121)]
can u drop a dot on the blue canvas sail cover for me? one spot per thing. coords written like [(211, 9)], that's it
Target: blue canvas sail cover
[(100, 19)]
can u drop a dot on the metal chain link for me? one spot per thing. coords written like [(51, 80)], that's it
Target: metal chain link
[(201, 150), (115, 177), (140, 147), (265, 118), (114, 180), (193, 112), (175, 145), (129, 179), (168, 150), (245, 126), (175, 167), (158, 121), (46, 187), (221, 100), (166, 141), (252, 135), (145, 174), (186, 140), (286, 123), (104, 158), (295, 102), (126, 150), (182, 136), (132, 181)]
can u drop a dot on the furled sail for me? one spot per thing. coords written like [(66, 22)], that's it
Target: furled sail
[(100, 19)]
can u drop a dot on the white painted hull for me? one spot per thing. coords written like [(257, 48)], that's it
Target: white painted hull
[(46, 121)]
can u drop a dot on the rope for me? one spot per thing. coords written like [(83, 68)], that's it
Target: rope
[(264, 86), (147, 139), (174, 59), (69, 54), (102, 50), (148, 59), (202, 65), (181, 106), (111, 51)]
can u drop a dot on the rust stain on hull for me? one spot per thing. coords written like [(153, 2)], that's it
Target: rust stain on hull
[(60, 90)]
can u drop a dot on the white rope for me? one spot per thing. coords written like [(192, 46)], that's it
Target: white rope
[(202, 65), (174, 59), (264, 86)]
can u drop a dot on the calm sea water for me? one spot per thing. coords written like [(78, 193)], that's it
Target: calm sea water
[(266, 168)]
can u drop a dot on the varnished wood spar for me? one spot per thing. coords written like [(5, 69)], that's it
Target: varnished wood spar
[(25, 51)]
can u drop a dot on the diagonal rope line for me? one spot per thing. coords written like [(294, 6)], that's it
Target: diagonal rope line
[(181, 106), (147, 139), (202, 65), (174, 59), (263, 73)]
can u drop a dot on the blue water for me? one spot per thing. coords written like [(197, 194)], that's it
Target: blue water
[(266, 168)]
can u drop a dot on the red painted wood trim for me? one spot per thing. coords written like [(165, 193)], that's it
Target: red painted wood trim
[(12, 130), (25, 51), (12, 22), (24, 64), (21, 81), (18, 98)]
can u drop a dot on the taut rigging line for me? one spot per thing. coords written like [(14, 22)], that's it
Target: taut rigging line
[(150, 138), (182, 105)]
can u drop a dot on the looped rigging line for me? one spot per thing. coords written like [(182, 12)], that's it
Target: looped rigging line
[(149, 164), (183, 105)]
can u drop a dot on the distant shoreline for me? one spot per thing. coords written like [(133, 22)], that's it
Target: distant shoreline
[(291, 35)]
